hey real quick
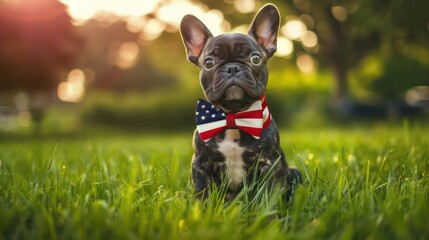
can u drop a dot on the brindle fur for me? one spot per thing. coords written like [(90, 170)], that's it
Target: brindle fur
[(233, 82)]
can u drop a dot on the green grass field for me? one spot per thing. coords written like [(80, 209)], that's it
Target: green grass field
[(360, 183)]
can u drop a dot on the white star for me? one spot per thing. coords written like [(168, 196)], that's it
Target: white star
[(203, 106), (213, 116), (207, 111), (197, 113), (223, 114), (203, 118), (212, 106)]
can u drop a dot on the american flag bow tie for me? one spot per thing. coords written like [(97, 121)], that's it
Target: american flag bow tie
[(211, 120)]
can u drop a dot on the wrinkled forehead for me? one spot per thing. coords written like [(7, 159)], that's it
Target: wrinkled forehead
[(232, 41)]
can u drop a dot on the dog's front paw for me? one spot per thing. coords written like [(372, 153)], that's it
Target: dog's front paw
[(294, 179)]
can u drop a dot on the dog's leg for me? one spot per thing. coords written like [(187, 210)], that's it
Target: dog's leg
[(199, 179), (294, 179)]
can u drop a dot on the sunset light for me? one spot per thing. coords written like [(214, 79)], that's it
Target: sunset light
[(150, 18), (82, 10), (284, 47), (305, 63), (294, 28), (173, 13), (72, 90), (127, 55), (309, 39), (245, 6), (152, 29), (339, 12), (227, 119), (164, 15)]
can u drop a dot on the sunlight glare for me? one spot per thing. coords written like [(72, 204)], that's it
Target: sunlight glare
[(284, 47), (417, 94), (294, 28), (127, 55), (76, 76), (152, 29), (136, 24), (309, 39), (81, 10), (72, 90), (308, 21), (412, 96), (68, 92), (150, 17), (214, 21), (305, 63), (84, 10), (339, 12), (173, 13), (131, 7), (245, 6)]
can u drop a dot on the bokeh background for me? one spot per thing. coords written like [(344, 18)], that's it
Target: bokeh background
[(79, 66)]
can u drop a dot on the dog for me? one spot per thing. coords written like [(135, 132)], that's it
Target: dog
[(236, 139)]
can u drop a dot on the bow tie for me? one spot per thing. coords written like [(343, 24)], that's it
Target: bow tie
[(211, 120)]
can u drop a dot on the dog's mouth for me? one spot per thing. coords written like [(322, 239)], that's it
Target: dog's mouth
[(234, 93), (235, 99), (236, 90)]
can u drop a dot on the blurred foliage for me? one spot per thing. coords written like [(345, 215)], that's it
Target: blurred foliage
[(380, 46), (171, 111), (36, 41), (349, 31), (159, 111), (147, 73), (400, 74)]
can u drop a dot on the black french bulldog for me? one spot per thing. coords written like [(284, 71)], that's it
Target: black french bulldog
[(236, 138)]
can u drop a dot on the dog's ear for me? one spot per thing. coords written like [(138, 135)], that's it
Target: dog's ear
[(264, 28), (195, 35)]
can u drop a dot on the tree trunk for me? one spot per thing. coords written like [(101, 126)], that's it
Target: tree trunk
[(38, 102), (341, 99), (37, 115)]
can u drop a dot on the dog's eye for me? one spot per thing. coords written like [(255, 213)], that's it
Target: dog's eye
[(208, 64), (255, 58)]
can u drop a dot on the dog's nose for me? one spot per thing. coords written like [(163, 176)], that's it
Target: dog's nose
[(232, 69)]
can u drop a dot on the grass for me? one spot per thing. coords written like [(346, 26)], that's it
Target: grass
[(360, 183)]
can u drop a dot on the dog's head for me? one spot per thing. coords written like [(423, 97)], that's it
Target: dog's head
[(233, 66)]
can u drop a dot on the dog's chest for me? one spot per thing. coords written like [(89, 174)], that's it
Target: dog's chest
[(233, 154)]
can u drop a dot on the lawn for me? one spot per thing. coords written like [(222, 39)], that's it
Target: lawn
[(361, 182)]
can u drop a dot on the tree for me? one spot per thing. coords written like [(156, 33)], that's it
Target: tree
[(401, 74), (349, 30), (37, 40)]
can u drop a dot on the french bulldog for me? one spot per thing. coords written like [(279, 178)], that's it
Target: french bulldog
[(242, 143)]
